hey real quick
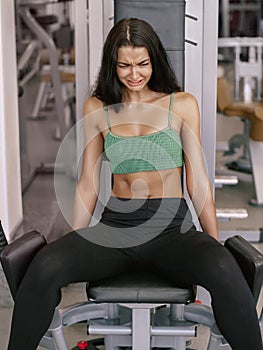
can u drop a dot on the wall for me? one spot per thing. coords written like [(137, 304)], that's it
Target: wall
[(10, 182)]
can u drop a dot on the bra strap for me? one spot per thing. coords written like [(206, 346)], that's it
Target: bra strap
[(171, 110), (107, 116)]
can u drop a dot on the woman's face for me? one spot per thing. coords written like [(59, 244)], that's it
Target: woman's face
[(134, 68)]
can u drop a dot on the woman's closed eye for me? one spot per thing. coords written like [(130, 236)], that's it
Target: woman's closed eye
[(123, 65), (143, 64)]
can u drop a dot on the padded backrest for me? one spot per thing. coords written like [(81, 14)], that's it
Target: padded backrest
[(224, 98), (167, 18)]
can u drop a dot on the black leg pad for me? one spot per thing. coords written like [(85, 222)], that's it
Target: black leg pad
[(250, 261), (16, 257)]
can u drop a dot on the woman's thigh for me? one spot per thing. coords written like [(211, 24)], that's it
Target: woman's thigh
[(73, 258), (194, 258)]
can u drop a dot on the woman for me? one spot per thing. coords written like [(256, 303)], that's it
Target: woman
[(148, 129)]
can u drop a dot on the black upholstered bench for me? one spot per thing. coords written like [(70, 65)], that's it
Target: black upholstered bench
[(139, 287), (145, 294)]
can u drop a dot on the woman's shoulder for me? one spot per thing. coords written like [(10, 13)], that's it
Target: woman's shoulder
[(94, 114), (92, 104), (185, 104), (185, 98)]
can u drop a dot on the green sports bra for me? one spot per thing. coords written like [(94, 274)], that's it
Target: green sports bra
[(156, 151)]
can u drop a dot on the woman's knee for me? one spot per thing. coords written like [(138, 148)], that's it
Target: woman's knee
[(225, 265), (45, 267), (219, 267)]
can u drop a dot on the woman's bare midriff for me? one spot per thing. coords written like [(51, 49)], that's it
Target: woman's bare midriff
[(150, 184)]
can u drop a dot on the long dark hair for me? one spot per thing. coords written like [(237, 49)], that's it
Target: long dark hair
[(137, 33)]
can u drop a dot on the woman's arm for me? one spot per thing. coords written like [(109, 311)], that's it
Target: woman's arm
[(87, 188), (197, 181)]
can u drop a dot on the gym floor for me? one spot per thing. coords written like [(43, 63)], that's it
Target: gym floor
[(41, 210)]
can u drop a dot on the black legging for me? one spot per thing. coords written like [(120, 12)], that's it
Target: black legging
[(191, 257)]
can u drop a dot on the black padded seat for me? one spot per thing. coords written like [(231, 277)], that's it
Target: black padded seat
[(139, 287)]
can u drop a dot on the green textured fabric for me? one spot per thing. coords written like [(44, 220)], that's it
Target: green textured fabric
[(157, 151)]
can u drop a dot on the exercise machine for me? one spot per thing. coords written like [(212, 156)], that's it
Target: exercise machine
[(48, 42), (250, 111), (244, 13), (138, 309)]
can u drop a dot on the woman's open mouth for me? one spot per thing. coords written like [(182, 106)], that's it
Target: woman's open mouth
[(135, 83)]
